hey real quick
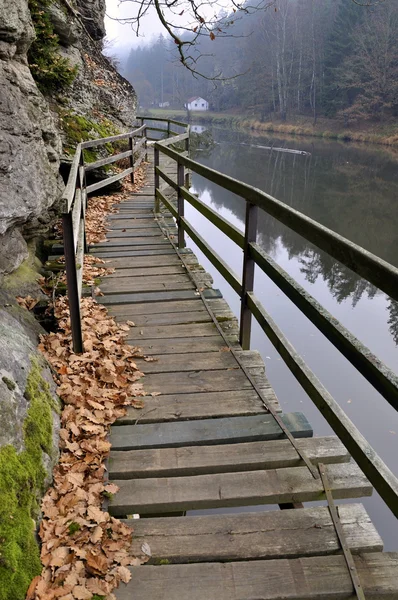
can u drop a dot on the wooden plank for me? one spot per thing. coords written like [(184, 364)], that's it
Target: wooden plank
[(105, 182), (145, 261), (247, 488), (153, 308), (132, 233), (308, 578), (204, 361), (180, 407), (195, 330), (207, 431), (126, 285), (150, 297), (147, 221), (200, 381), (250, 456), (183, 345), (131, 241), (168, 318), (261, 535), (107, 160), (126, 253), (161, 247)]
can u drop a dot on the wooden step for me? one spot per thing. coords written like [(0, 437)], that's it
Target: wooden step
[(144, 271), (251, 456), (139, 297), (261, 535), (207, 431), (203, 361), (170, 331), (274, 486), (204, 381), (130, 241), (125, 232), (157, 251), (127, 285), (309, 578), (213, 343), (147, 261)]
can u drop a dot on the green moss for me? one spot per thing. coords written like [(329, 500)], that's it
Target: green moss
[(80, 129), (22, 479), (9, 383), (73, 528), (51, 71)]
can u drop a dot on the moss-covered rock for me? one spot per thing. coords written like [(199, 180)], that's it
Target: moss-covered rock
[(29, 414)]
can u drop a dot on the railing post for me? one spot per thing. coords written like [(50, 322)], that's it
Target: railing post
[(168, 128), (146, 145), (180, 204), (82, 184), (157, 179), (71, 279), (247, 275), (187, 174), (131, 147)]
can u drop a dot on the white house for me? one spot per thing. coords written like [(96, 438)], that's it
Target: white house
[(197, 103)]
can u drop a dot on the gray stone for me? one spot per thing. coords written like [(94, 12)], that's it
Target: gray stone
[(67, 29), (93, 13), (16, 29), (17, 350), (13, 250)]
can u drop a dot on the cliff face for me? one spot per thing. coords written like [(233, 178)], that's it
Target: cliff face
[(36, 129)]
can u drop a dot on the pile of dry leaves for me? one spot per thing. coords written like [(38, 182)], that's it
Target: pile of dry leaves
[(85, 551)]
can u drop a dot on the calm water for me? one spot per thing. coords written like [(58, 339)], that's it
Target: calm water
[(354, 191)]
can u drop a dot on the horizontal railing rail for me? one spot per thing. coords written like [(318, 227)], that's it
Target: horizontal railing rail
[(365, 264), (74, 204)]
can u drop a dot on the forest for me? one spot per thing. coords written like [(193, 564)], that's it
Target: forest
[(316, 58)]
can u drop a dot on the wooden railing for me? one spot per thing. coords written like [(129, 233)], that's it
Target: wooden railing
[(74, 207), (368, 266)]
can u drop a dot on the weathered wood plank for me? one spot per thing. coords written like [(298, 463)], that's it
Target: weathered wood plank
[(169, 318), (157, 251), (130, 241), (309, 578), (261, 535), (207, 431), (202, 381), (150, 297), (125, 285), (247, 488), (180, 407), (139, 249), (144, 271), (157, 308), (147, 261), (250, 456), (125, 232), (183, 345), (195, 330), (204, 361)]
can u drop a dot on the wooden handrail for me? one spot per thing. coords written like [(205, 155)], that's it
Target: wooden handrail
[(74, 208), (367, 265)]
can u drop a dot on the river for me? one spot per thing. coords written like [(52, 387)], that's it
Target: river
[(354, 191)]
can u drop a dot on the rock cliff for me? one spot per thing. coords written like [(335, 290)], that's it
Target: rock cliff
[(38, 129), (56, 89)]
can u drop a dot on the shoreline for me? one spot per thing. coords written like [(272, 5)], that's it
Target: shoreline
[(243, 122)]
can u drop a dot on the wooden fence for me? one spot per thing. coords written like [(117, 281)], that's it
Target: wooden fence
[(368, 266)]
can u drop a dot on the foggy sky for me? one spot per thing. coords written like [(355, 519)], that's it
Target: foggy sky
[(123, 35)]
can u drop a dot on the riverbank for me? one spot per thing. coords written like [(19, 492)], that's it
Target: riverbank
[(386, 135)]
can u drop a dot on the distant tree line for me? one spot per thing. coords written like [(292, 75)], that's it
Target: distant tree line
[(301, 57)]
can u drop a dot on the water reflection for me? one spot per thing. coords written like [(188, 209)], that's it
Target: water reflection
[(351, 190)]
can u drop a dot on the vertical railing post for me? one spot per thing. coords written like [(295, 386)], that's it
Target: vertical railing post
[(247, 275), (71, 280), (157, 180), (180, 204), (187, 174), (145, 144), (131, 148), (168, 128), (82, 184)]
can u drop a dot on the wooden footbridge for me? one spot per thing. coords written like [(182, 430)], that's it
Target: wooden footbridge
[(212, 435)]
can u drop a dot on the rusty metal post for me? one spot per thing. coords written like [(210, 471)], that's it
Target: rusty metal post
[(131, 147), (247, 275), (157, 179), (180, 204), (71, 279)]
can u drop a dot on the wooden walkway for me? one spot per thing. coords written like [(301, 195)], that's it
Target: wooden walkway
[(205, 441)]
